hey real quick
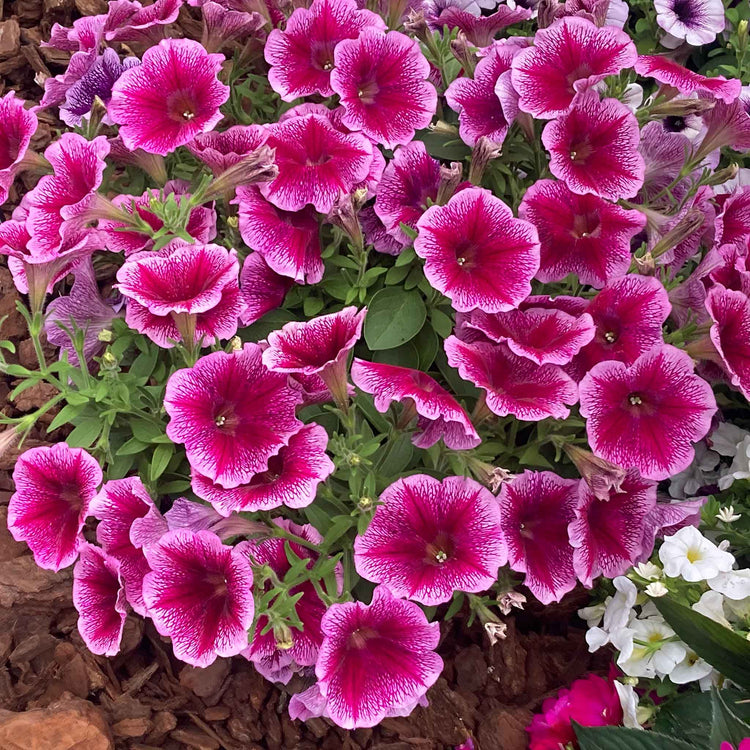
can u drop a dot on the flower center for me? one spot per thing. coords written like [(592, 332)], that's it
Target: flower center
[(439, 550), (225, 418), (584, 225), (580, 152), (367, 92), (358, 639), (634, 399), (610, 337), (693, 555), (466, 252), (181, 107)]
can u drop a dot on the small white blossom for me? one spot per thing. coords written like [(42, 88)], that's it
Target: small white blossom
[(711, 605), (657, 589), (629, 702), (691, 669), (726, 438), (648, 571), (734, 584), (593, 614), (740, 468), (699, 474), (648, 649), (689, 555), (728, 515), (616, 614)]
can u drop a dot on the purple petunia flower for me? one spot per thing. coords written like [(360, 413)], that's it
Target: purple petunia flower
[(696, 21), (261, 287), (129, 21), (221, 150), (480, 30), (732, 223), (17, 125)]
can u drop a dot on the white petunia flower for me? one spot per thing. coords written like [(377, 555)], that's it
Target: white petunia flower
[(726, 437), (689, 555), (629, 702), (735, 584), (691, 669), (648, 649), (740, 468), (593, 614), (711, 605), (618, 609)]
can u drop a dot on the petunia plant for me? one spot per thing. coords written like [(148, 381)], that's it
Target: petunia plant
[(370, 317)]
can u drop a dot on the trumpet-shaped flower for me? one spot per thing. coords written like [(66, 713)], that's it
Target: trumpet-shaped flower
[(17, 125), (730, 333), (261, 287), (219, 150)]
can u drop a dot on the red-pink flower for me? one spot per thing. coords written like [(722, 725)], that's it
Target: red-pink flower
[(199, 593), (262, 288), (607, 534), (733, 220), (580, 234), (17, 125), (289, 241), (129, 21), (513, 385), (291, 479), (99, 598), (438, 413), (301, 56), (594, 148), (231, 413), (54, 486), (381, 79), (86, 34), (170, 98), (316, 162), (477, 253), (568, 57), (535, 510), (389, 646), (219, 150), (647, 415), (429, 538), (730, 333)]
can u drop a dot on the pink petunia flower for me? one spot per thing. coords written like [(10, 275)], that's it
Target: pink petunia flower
[(438, 413), (301, 56), (696, 21), (480, 30), (647, 415), (732, 223), (316, 162), (513, 385), (231, 413), (594, 148), (17, 125), (223, 25), (291, 479), (219, 150), (607, 534), (200, 594), (477, 253), (86, 34), (381, 80), (388, 645), (580, 234), (262, 288), (726, 125), (319, 346), (730, 333), (429, 538), (129, 21), (99, 598), (288, 241), (170, 98), (535, 510), (569, 57), (54, 486)]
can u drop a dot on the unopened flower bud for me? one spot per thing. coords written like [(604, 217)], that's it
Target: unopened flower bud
[(691, 222), (450, 178), (233, 221), (365, 503), (646, 265), (105, 335), (416, 24), (235, 344), (344, 215), (283, 637), (682, 107), (7, 438), (723, 175), (109, 361), (483, 153), (257, 166), (465, 53), (601, 476), (443, 128)]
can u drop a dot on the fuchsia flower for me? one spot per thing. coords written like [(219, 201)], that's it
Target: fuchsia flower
[(231, 413), (733, 220), (288, 241), (389, 646), (183, 292), (477, 253), (438, 413), (291, 479), (221, 150), (319, 346), (594, 148), (667, 71), (428, 539), (696, 21), (649, 414), (301, 56), (535, 510), (726, 125), (607, 534), (262, 289), (381, 79), (580, 234), (99, 598), (200, 594), (223, 25), (86, 34), (170, 98), (316, 162), (129, 21), (17, 125), (730, 313), (569, 57), (411, 177), (54, 486), (480, 30), (513, 384)]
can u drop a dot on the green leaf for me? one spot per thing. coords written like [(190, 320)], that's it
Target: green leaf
[(396, 456), (726, 726), (131, 448), (619, 738), (441, 323), (393, 318), (722, 648), (84, 435), (160, 460), (339, 526), (145, 431), (68, 413)]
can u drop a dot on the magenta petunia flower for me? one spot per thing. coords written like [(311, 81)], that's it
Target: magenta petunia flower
[(262, 288), (301, 56), (288, 241), (200, 594), (291, 479), (381, 80), (119, 505), (316, 162), (129, 21), (438, 413), (535, 509), (223, 25), (477, 253), (513, 384), (580, 234), (409, 180), (17, 125), (594, 148), (231, 413), (99, 598), (376, 234), (732, 223), (388, 646), (54, 486), (480, 30), (607, 534), (647, 415), (544, 336), (570, 56), (730, 313), (87, 33), (726, 125), (319, 346), (696, 21), (667, 71), (429, 538), (170, 98), (221, 150)]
